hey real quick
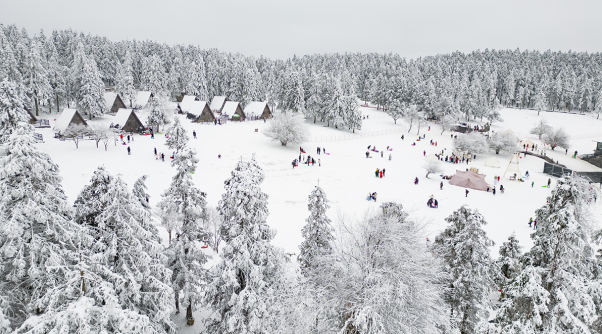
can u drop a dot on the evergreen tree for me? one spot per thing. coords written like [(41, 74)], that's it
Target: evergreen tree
[(244, 282), (317, 233), (196, 82), (36, 78), (124, 83), (91, 89), (36, 232), (508, 265), (178, 139), (12, 110), (559, 289), (90, 202), (153, 75), (463, 247), (158, 114), (184, 202), (140, 193)]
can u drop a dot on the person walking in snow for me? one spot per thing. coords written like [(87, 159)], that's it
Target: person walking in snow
[(194, 134), (155, 151), (424, 153), (323, 150), (530, 222), (389, 157), (502, 189), (128, 139), (416, 181), (367, 154), (377, 170), (381, 153), (402, 137), (493, 191), (319, 163), (384, 172), (549, 182), (294, 163), (318, 150), (441, 185), (163, 157), (381, 174), (129, 151), (535, 224), (466, 192)]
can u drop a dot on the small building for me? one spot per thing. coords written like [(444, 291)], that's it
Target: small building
[(234, 109), (67, 118), (113, 102), (217, 104), (32, 118), (186, 103), (200, 112), (258, 108), (142, 99), (126, 120)]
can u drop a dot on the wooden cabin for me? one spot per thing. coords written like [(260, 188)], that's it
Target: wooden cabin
[(217, 104), (258, 108), (234, 110), (200, 112), (113, 102), (67, 118), (127, 120)]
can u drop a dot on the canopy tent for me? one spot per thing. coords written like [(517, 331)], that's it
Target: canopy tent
[(469, 179), (492, 162), (511, 133)]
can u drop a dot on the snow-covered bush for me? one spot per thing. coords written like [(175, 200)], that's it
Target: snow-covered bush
[(500, 142), (287, 127), (473, 143), (432, 166), (378, 271), (76, 132), (557, 137)]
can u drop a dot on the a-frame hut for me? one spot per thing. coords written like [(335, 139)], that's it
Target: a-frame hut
[(217, 104), (200, 112), (187, 103), (142, 99), (67, 118), (32, 118), (126, 120), (234, 110), (258, 108), (113, 102)]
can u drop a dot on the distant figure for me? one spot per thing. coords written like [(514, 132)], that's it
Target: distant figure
[(129, 151), (466, 192), (219, 156), (194, 134), (441, 185)]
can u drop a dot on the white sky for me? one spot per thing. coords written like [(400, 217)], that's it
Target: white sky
[(282, 28)]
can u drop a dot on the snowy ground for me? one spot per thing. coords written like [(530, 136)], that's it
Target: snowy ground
[(346, 174)]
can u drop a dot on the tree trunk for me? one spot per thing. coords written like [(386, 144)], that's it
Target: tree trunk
[(314, 119), (169, 232), (57, 104), (36, 102), (177, 297), (189, 317)]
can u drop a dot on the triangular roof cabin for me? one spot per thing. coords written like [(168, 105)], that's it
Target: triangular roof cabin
[(217, 104), (127, 120), (200, 112), (113, 102), (258, 108), (32, 118), (233, 109), (68, 117), (187, 102), (142, 98)]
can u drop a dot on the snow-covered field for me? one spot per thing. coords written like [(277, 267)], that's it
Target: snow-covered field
[(346, 174)]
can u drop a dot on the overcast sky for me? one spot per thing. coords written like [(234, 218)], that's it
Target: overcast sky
[(283, 28)]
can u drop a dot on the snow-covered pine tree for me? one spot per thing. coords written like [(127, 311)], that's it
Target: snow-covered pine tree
[(36, 77), (36, 231), (153, 75), (353, 115), (139, 191), (380, 279), (178, 139), (244, 282), (559, 289), (90, 202), (12, 110), (158, 114), (396, 110), (501, 142), (124, 83), (287, 127), (184, 202), (92, 89), (508, 264), (196, 83), (317, 232), (464, 249)]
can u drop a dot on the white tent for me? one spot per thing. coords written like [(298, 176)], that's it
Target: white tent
[(512, 134), (492, 162)]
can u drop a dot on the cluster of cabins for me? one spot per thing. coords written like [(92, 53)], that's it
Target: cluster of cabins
[(202, 111), (125, 118)]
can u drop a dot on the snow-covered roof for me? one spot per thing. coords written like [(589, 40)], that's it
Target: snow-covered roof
[(217, 102), (110, 99), (196, 108), (122, 116), (187, 102), (230, 108), (255, 108), (142, 98), (64, 119), (511, 133)]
